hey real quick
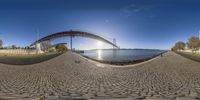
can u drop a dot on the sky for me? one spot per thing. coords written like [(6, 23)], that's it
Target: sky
[(148, 24)]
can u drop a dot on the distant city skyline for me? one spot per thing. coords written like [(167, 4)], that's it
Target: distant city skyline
[(148, 24)]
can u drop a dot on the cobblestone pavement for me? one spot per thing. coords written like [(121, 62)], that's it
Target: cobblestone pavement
[(70, 76)]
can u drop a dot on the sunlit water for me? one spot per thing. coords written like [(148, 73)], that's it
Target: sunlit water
[(121, 55)]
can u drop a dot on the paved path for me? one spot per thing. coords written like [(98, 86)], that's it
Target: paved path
[(169, 77)]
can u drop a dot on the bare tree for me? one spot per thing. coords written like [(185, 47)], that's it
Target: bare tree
[(46, 46)]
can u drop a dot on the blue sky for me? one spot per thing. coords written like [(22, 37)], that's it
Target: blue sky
[(155, 24)]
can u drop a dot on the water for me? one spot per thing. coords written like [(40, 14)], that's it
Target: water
[(123, 55)]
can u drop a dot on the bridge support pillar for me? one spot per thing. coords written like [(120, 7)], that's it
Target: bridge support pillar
[(38, 48), (114, 42)]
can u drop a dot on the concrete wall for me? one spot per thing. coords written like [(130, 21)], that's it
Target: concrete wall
[(17, 51)]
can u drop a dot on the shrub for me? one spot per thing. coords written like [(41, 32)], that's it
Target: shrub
[(61, 48)]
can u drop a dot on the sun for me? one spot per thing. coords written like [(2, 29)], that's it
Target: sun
[(99, 43)]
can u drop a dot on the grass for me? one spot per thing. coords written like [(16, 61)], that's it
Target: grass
[(26, 59), (190, 55)]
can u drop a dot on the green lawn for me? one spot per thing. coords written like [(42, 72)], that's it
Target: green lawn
[(26, 59), (193, 56)]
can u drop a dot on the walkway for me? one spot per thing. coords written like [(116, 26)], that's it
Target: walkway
[(69, 75)]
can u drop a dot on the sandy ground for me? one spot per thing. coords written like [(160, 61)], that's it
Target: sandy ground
[(68, 75)]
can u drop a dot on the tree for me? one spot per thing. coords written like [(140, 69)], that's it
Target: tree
[(46, 46), (27, 47), (193, 43), (174, 48), (61, 48), (180, 45), (13, 47)]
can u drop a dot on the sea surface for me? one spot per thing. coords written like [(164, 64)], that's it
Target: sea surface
[(122, 55)]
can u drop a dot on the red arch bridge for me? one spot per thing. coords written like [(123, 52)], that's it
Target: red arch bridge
[(72, 34)]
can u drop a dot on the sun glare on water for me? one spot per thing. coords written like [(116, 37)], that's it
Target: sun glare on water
[(99, 53)]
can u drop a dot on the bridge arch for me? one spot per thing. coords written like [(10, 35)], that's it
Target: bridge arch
[(73, 34)]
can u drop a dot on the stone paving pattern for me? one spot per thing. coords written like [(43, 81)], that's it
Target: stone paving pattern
[(70, 76)]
